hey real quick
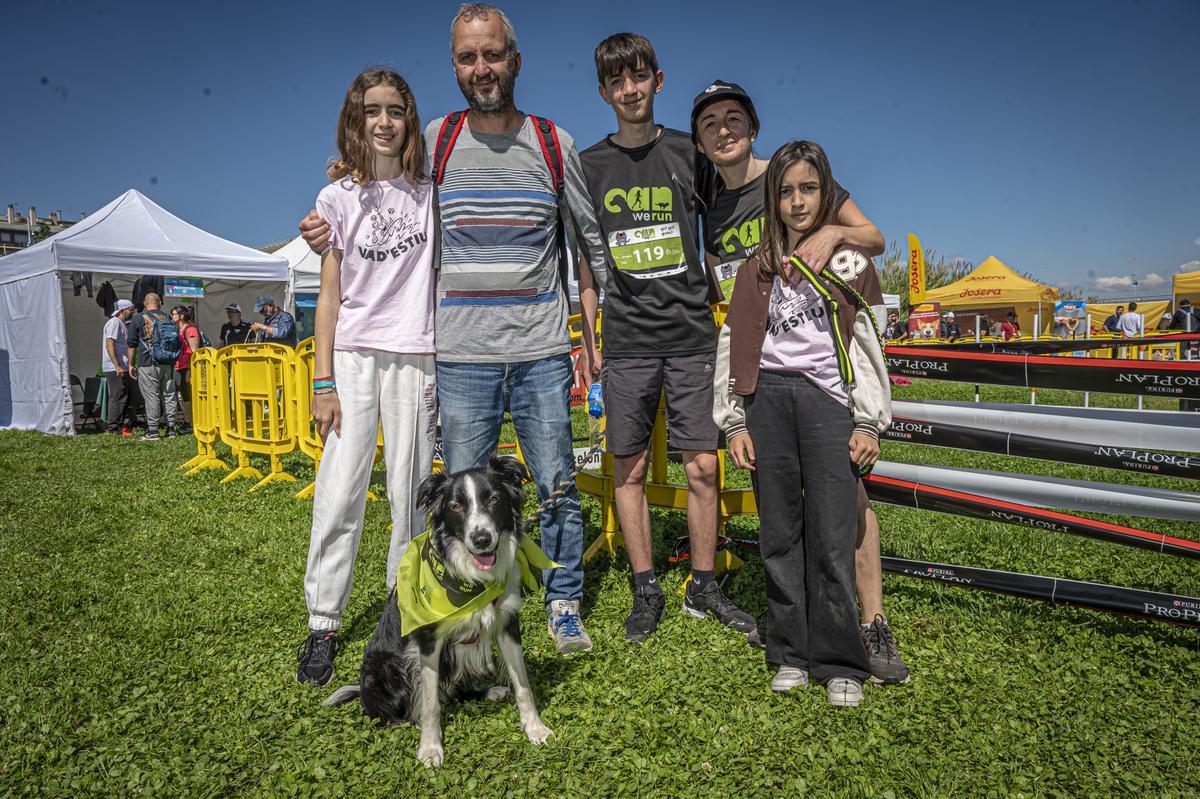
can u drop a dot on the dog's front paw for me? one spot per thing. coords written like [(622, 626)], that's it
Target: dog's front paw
[(538, 733), (430, 754), (497, 693)]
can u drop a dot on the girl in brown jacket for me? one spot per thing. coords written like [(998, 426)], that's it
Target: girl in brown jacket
[(802, 393)]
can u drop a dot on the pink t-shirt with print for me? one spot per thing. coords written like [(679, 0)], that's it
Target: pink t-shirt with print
[(798, 338), (385, 231)]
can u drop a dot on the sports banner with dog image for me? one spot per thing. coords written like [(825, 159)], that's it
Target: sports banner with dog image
[(1177, 380)]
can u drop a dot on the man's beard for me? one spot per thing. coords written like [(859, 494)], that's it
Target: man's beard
[(499, 100)]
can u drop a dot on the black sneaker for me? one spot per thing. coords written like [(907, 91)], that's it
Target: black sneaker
[(886, 665), (316, 658), (711, 601), (646, 614)]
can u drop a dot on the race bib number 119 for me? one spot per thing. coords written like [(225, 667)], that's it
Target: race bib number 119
[(648, 252)]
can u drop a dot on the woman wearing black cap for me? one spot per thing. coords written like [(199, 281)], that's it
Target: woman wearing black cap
[(729, 183)]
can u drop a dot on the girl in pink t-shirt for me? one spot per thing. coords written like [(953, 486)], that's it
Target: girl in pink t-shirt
[(374, 349)]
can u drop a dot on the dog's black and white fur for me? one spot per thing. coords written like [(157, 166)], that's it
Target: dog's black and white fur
[(476, 526)]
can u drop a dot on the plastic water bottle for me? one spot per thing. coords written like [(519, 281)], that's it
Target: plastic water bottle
[(595, 400)]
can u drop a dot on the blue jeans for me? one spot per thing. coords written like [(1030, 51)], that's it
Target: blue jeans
[(473, 398)]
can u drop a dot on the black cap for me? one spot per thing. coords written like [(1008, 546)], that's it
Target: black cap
[(720, 90)]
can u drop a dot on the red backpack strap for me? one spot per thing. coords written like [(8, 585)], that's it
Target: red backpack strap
[(551, 150), (447, 136)]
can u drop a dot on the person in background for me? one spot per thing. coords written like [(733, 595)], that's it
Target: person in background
[(1164, 323), (895, 330), (189, 339), (278, 326), (1131, 324), (236, 330), (1110, 324), (155, 374), (114, 357), (949, 329), (1011, 328), (995, 328), (1187, 319)]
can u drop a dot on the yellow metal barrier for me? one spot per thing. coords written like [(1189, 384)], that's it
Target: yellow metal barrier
[(209, 388), (261, 383)]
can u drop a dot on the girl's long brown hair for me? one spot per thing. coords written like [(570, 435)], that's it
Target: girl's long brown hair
[(773, 252), (356, 159)]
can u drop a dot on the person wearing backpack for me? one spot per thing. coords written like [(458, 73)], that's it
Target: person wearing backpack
[(154, 339)]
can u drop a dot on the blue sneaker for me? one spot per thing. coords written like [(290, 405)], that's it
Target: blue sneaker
[(566, 628)]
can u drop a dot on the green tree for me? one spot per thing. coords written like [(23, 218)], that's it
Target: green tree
[(893, 277), (43, 232)]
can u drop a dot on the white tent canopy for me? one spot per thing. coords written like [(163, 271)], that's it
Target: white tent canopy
[(131, 236), (304, 269)]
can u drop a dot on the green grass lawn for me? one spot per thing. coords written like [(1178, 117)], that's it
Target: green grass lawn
[(150, 626)]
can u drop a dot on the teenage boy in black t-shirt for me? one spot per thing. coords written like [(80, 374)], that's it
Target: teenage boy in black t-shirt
[(659, 335), (730, 186)]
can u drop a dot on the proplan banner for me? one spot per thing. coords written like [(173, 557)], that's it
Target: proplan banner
[(1177, 379), (1151, 605), (914, 431), (1052, 492), (1177, 431), (1045, 346), (913, 494)]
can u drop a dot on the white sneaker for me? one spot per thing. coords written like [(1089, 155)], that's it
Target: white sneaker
[(844, 692), (789, 677), (566, 628)]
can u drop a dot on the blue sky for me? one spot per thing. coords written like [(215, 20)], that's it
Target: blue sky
[(1060, 137)]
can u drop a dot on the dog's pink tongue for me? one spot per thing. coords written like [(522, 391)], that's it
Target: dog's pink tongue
[(485, 562)]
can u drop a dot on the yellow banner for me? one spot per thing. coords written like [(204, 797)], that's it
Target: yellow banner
[(916, 271)]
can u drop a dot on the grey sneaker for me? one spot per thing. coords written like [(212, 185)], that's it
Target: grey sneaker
[(886, 665), (566, 628), (844, 692), (713, 602), (151, 435), (789, 677)]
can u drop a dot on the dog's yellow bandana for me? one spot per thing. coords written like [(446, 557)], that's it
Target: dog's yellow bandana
[(427, 595)]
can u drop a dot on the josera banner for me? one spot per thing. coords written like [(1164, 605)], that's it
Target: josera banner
[(914, 431), (912, 494), (916, 271), (1177, 431), (1173, 379), (1076, 496), (1182, 610), (1053, 345)]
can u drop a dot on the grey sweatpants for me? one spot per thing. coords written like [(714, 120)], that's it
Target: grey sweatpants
[(807, 495), (157, 383)]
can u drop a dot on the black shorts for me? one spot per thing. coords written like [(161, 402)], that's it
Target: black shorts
[(631, 391)]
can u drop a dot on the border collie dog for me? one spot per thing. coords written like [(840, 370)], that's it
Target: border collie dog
[(473, 562)]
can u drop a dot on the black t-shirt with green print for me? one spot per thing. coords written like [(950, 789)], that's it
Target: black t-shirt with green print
[(733, 226), (657, 297)]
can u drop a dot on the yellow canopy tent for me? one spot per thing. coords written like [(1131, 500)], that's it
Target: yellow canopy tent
[(1186, 285), (993, 289), (1151, 311)]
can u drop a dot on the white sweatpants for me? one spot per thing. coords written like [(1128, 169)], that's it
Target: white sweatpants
[(399, 392)]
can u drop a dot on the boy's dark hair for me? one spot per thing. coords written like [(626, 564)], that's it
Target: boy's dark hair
[(1132, 307), (623, 51)]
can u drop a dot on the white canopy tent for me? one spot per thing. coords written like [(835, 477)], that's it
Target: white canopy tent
[(42, 323)]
